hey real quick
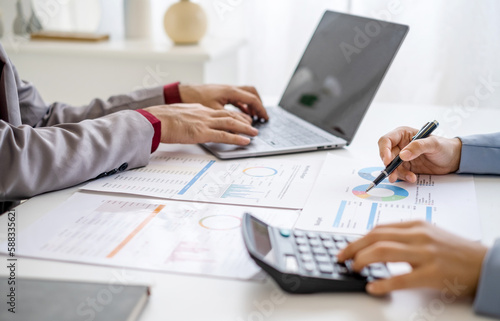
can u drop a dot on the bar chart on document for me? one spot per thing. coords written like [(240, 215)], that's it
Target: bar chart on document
[(149, 234), (339, 201), (260, 182)]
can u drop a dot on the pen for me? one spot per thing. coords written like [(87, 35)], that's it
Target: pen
[(423, 133)]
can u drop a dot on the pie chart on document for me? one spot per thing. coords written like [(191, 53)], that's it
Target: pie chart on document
[(67, 15)]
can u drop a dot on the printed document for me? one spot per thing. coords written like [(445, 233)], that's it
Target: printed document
[(161, 235), (339, 201), (258, 182)]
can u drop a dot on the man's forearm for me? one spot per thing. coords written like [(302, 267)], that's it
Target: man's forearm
[(60, 113), (38, 160)]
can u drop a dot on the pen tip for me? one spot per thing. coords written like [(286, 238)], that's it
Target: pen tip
[(370, 187)]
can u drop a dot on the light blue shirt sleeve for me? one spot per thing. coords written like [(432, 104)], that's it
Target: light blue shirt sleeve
[(480, 154), (488, 290)]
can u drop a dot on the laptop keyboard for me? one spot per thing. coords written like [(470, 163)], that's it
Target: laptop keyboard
[(282, 131)]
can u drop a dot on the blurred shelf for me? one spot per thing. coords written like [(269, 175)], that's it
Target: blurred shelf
[(77, 72), (208, 49)]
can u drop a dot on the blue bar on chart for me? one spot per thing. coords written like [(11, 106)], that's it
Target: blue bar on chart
[(428, 214), (339, 214), (243, 191), (371, 219), (196, 177)]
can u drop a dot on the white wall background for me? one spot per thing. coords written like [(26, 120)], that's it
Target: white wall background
[(450, 56)]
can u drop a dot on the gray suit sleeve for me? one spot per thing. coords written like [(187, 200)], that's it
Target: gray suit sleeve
[(49, 147), (488, 290), (36, 113), (38, 160), (480, 154), (62, 113)]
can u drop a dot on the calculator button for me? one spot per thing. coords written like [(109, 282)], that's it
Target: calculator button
[(325, 236), (306, 257), (365, 271), (298, 233), (328, 244), (378, 274), (312, 235), (341, 245), (338, 238), (285, 232), (314, 242), (325, 268), (300, 240), (318, 250), (309, 266), (341, 268), (348, 264), (291, 264), (322, 258), (351, 238), (377, 266), (333, 251), (303, 249)]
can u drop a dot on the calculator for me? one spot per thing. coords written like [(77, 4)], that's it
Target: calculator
[(305, 261)]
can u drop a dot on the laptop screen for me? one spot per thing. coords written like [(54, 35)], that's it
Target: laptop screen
[(341, 70)]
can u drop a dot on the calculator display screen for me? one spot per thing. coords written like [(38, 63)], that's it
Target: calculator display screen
[(262, 241)]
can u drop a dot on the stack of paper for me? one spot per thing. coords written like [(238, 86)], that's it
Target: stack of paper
[(202, 238)]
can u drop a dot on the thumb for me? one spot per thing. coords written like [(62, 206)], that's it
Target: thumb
[(417, 148)]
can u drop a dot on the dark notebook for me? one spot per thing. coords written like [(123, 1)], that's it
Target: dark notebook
[(47, 300)]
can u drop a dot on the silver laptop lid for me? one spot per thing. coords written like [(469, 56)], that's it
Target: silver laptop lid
[(341, 71)]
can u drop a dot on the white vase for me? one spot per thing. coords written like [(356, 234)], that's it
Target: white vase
[(20, 23), (137, 16), (185, 22)]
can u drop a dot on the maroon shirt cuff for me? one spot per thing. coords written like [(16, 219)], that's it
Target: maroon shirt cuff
[(171, 93), (156, 126)]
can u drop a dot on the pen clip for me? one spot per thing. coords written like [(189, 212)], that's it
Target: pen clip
[(420, 131)]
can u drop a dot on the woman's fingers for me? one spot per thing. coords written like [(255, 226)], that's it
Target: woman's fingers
[(404, 232), (420, 277), (388, 251), (392, 140), (404, 173)]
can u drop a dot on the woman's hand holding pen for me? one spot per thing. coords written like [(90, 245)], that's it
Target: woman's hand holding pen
[(431, 155)]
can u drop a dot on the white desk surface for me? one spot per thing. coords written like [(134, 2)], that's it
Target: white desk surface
[(184, 297)]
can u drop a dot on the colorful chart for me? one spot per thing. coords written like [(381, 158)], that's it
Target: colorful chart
[(383, 193), (220, 222), (260, 171), (243, 191), (370, 173)]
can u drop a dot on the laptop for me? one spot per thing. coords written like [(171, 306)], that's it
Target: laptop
[(330, 90)]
